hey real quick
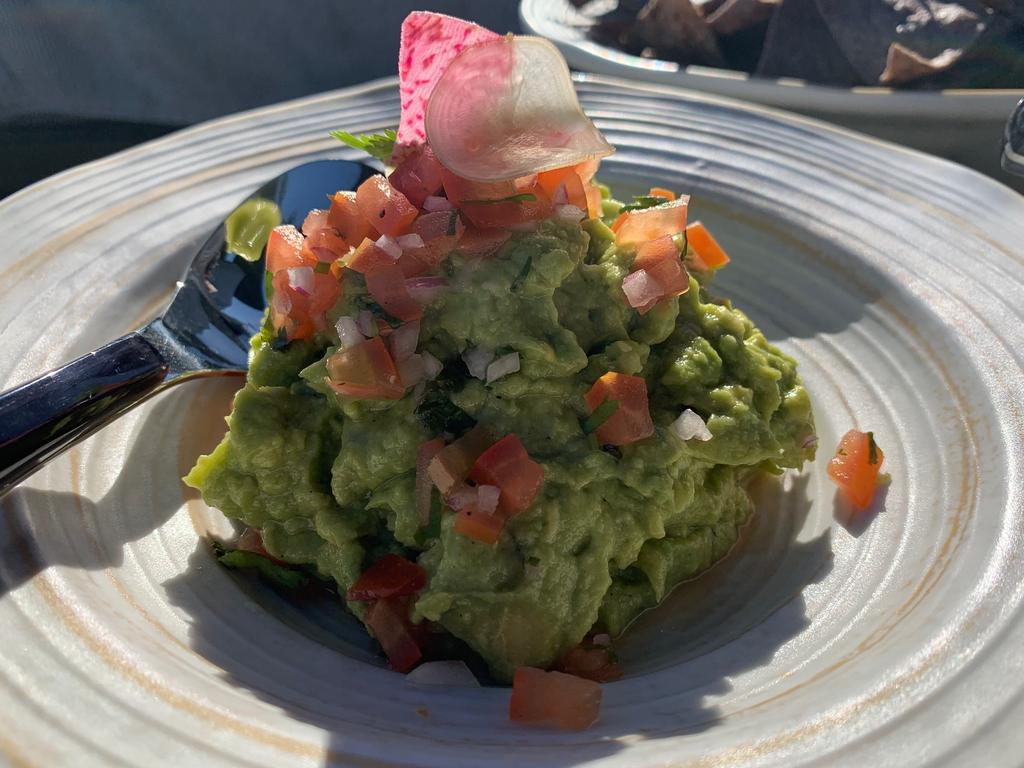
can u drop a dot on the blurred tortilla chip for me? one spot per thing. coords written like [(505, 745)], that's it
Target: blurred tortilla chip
[(798, 44), (904, 65), (675, 25)]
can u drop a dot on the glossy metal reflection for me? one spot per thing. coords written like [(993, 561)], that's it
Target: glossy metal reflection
[(204, 331), (1013, 143)]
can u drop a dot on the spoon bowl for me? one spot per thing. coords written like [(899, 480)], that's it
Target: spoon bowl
[(204, 331)]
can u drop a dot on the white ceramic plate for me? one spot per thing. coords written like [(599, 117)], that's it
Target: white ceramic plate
[(963, 125), (894, 639)]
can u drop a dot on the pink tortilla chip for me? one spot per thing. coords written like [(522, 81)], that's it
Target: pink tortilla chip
[(429, 43)]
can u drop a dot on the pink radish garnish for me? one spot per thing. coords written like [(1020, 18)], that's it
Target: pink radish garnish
[(430, 41)]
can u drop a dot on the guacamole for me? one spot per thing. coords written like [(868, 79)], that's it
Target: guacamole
[(329, 481)]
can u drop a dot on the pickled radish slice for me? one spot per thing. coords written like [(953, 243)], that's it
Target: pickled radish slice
[(430, 41), (507, 108)]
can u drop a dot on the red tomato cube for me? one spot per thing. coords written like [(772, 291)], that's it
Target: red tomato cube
[(855, 467), (631, 421), (365, 371), (553, 700), (387, 210), (507, 465), (391, 576)]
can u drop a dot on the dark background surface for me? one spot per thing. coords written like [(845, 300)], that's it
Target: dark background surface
[(80, 79)]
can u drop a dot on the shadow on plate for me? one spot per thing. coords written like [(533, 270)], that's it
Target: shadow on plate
[(39, 529)]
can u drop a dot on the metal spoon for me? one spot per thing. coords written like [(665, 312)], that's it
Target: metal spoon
[(1013, 143), (204, 331)]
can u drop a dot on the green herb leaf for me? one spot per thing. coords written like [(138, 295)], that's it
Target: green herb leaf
[(281, 575), (432, 530), (452, 221), (601, 414), (377, 145), (322, 267), (642, 202), (872, 449), (525, 197), (523, 274), (436, 412)]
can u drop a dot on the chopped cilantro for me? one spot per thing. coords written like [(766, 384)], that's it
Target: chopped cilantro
[(872, 449), (525, 197), (452, 221), (377, 145), (322, 267), (436, 412), (280, 342), (641, 202), (601, 414), (432, 529), (523, 273)]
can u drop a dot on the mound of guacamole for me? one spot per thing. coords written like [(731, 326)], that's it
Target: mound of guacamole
[(329, 482)]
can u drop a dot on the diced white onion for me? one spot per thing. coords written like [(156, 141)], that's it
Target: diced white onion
[(690, 426), (432, 367), (602, 640), (300, 280), (503, 366), (409, 241), (367, 323), (561, 197), (281, 302), (487, 498), (640, 288), (434, 203), (451, 673), (570, 213), (462, 498), (403, 341), (389, 245), (348, 332), (477, 359), (411, 370)]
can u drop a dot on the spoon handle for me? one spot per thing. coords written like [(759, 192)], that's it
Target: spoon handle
[(43, 417)]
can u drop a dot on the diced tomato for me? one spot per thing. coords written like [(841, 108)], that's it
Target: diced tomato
[(479, 526), (327, 245), (554, 700), (855, 467), (632, 419), (418, 176), (654, 251), (368, 256), (391, 576), (398, 636), (651, 223), (440, 231), (507, 465), (703, 249), (388, 210), (587, 169), (284, 249), (668, 194), (365, 371), (452, 463), (346, 218), (671, 276), (595, 206), (481, 243), (386, 285), (591, 662), (551, 181), (315, 219), (297, 314), (488, 215)]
